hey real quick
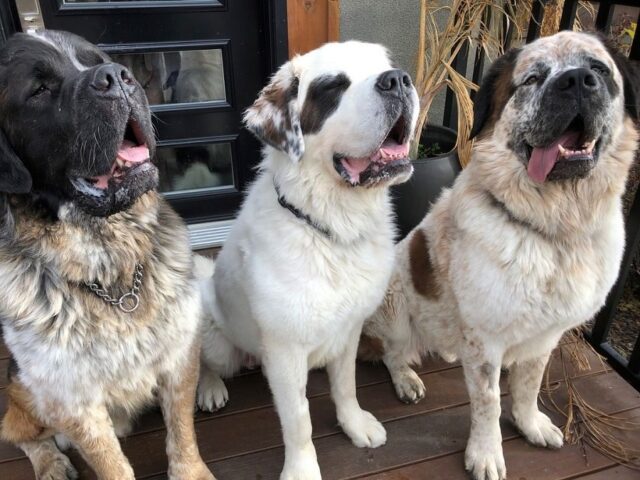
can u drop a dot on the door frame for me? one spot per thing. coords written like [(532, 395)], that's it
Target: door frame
[(9, 21)]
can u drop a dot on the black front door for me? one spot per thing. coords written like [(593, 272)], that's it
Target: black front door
[(201, 63)]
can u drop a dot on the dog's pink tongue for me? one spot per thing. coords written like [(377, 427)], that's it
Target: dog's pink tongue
[(355, 166), (103, 180), (542, 160), (132, 153)]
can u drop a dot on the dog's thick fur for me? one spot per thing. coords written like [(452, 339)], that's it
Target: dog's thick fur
[(83, 367), (294, 293), (503, 265)]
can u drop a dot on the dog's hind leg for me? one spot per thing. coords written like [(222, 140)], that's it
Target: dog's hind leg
[(360, 425), (524, 383), (387, 335), (122, 422), (176, 391), (218, 358), (407, 383), (212, 392), (20, 427)]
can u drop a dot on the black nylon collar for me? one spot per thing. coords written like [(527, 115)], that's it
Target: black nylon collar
[(513, 218), (302, 216)]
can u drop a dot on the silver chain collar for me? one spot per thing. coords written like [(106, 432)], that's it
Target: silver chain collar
[(130, 301)]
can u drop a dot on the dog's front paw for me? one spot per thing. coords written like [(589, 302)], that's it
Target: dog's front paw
[(485, 461), (363, 429), (302, 468), (409, 387), (196, 471), (212, 392), (58, 468), (540, 431)]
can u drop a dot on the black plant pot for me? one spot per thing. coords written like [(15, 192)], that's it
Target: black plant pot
[(413, 198)]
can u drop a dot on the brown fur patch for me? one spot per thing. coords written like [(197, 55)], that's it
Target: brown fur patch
[(276, 97), (503, 91), (423, 275), (19, 424), (370, 348), (495, 91)]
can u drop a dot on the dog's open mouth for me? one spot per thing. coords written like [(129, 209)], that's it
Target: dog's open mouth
[(572, 154), (132, 153), (132, 157), (389, 160)]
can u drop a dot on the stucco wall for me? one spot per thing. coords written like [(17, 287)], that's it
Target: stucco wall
[(393, 23)]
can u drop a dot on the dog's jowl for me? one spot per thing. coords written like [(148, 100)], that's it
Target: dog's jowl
[(528, 241), (98, 303), (310, 255)]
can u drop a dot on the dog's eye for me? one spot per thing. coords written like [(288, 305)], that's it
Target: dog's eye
[(600, 69), (339, 81), (39, 90), (531, 79)]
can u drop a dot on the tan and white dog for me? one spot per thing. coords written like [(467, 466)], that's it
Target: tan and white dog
[(527, 243), (311, 253)]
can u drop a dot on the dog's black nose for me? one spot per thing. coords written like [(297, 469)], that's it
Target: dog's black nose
[(111, 79), (396, 82), (578, 81)]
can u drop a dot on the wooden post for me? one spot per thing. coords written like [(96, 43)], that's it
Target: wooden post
[(312, 23)]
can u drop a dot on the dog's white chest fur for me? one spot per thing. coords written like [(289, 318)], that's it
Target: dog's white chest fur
[(550, 287), (117, 367)]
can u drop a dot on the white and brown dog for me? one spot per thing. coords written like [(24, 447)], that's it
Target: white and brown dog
[(526, 244), (311, 253)]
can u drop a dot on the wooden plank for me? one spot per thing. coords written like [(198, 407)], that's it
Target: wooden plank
[(438, 434), (523, 461), (4, 351), (259, 430), (229, 435), (618, 472), (4, 372), (209, 252), (250, 392), (333, 21), (18, 470), (308, 22), (447, 393)]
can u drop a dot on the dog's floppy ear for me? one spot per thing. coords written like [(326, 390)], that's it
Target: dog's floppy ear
[(495, 90), (14, 177), (274, 117), (630, 71)]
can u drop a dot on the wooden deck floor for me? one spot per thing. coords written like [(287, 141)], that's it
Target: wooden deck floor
[(425, 441)]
